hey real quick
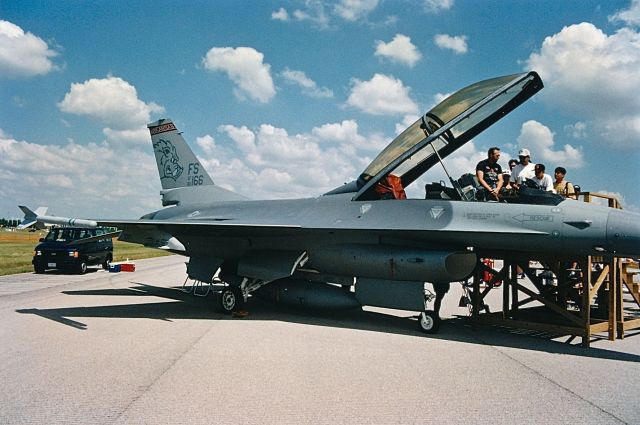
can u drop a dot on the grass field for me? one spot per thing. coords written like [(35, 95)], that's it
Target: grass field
[(16, 251)]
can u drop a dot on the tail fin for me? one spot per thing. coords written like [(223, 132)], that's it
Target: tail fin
[(184, 180), (177, 164), (30, 217)]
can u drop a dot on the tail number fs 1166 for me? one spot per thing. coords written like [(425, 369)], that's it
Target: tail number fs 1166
[(194, 178)]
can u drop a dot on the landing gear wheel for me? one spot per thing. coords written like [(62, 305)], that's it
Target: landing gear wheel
[(429, 322), (231, 299)]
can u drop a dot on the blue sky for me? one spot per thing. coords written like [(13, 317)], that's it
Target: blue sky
[(286, 99)]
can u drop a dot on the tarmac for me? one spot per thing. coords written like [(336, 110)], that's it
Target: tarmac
[(131, 348)]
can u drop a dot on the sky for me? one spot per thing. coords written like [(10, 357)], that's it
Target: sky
[(292, 98)]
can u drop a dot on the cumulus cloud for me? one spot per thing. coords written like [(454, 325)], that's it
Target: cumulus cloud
[(91, 180), (23, 54), (112, 102), (353, 10), (280, 15), (437, 6), (456, 43), (314, 12), (207, 144), (346, 132), (539, 139), (630, 16), (322, 14), (399, 50), (269, 162), (382, 95), (246, 68), (277, 164), (308, 86), (577, 130), (594, 76)]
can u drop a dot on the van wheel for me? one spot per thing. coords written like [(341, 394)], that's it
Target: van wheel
[(38, 270), (82, 267), (107, 262)]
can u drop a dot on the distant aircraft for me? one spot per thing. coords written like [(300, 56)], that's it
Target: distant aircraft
[(362, 243)]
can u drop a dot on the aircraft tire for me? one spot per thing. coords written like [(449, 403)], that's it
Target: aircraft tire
[(231, 299), (429, 322)]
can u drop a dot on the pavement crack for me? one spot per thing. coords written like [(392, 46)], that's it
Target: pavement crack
[(142, 390)]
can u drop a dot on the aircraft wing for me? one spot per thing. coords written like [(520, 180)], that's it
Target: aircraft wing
[(156, 233)]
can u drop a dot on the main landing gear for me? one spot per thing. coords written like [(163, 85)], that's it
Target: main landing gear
[(231, 299)]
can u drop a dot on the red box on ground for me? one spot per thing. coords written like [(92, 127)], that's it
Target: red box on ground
[(127, 267)]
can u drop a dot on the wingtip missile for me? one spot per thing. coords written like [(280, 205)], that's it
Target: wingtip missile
[(31, 217)]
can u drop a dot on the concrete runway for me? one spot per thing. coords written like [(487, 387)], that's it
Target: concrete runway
[(108, 348)]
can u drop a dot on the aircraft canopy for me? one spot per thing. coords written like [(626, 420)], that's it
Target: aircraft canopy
[(448, 126)]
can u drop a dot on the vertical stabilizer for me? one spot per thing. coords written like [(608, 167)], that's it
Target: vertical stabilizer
[(184, 180), (177, 164)]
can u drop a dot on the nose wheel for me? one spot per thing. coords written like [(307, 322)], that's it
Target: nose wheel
[(429, 322)]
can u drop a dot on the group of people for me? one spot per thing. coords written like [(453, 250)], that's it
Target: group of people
[(494, 180)]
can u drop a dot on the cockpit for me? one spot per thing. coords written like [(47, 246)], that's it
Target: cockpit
[(441, 131)]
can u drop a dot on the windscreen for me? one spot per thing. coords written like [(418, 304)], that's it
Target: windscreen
[(68, 234)]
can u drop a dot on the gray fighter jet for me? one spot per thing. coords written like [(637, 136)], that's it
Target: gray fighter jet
[(362, 243)]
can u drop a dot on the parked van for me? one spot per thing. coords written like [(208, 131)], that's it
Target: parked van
[(72, 249)]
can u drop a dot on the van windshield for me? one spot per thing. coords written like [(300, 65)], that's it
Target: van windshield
[(66, 235)]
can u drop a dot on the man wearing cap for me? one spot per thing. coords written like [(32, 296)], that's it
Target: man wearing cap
[(543, 179), (489, 174), (524, 170)]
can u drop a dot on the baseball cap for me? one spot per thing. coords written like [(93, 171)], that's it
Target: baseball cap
[(507, 172), (524, 152)]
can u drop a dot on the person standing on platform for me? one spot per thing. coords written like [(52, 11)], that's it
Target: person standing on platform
[(524, 170), (561, 186)]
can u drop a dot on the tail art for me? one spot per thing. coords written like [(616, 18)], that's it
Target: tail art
[(177, 165), (183, 178)]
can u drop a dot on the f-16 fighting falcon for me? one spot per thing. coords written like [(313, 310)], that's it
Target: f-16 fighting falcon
[(364, 243)]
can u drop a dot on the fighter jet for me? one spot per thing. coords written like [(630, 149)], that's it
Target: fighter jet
[(364, 243)]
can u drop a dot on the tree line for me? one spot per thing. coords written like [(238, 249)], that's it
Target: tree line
[(9, 222)]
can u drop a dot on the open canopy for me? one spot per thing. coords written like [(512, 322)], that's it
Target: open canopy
[(446, 127)]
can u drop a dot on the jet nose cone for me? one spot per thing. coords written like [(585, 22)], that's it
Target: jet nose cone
[(623, 233)]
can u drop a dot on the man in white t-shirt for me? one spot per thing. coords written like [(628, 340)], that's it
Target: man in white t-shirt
[(524, 170), (544, 180)]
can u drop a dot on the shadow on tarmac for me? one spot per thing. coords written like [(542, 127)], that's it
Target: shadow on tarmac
[(187, 306)]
